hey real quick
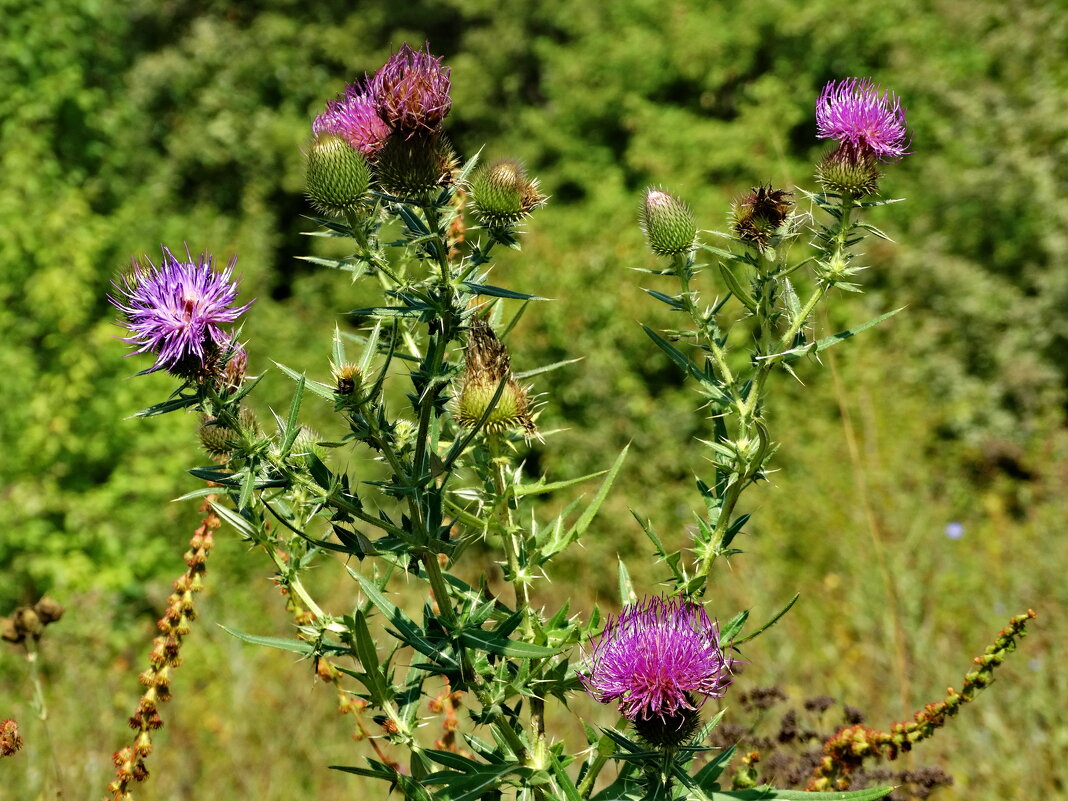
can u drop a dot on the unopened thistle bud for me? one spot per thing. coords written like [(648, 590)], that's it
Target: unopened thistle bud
[(487, 364), (338, 175), (347, 379), (219, 441), (668, 223), (414, 168), (502, 194), (756, 217), (307, 445)]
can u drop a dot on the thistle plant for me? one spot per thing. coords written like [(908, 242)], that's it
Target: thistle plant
[(437, 418)]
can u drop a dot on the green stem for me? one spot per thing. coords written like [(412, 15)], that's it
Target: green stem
[(586, 785), (706, 327)]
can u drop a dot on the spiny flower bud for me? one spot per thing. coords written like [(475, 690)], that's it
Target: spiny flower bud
[(348, 379), (307, 445), (668, 223), (486, 365), (218, 440), (404, 434), (338, 175), (758, 215), (848, 172), (501, 193), (414, 168)]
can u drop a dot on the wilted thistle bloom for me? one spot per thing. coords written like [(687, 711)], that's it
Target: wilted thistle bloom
[(176, 311), (354, 117), (486, 365), (411, 91), (866, 121), (668, 223), (758, 215), (660, 659)]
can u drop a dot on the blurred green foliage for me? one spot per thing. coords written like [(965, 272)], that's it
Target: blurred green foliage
[(123, 126)]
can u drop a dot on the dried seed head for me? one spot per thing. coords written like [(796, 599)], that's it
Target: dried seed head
[(757, 216), (486, 365)]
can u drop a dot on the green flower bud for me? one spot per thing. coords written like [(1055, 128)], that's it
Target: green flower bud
[(847, 171), (338, 175), (348, 379), (218, 441), (668, 223), (501, 194), (414, 168)]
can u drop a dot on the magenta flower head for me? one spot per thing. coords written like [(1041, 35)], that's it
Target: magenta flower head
[(865, 120), (176, 311), (660, 659), (411, 91), (354, 117)]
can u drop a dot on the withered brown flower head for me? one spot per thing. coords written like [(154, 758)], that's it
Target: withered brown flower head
[(760, 213), (486, 365)]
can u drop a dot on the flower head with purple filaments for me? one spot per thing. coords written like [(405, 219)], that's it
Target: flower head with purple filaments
[(411, 91), (660, 658), (354, 117), (177, 311), (863, 119)]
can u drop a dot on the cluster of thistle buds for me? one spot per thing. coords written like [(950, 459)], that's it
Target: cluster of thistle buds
[(848, 748), (165, 656), (384, 134)]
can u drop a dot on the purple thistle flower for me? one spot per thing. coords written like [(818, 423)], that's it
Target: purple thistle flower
[(411, 91), (176, 311), (863, 119), (354, 117), (660, 659)]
